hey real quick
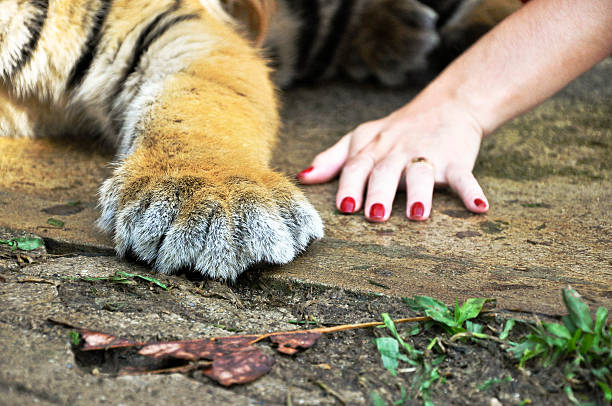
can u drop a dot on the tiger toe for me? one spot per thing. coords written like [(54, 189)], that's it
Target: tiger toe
[(219, 229)]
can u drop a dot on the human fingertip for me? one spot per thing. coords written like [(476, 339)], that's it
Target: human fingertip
[(417, 210), (480, 204), (303, 173), (347, 205), (377, 212)]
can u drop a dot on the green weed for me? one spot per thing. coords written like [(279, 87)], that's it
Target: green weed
[(585, 344), (492, 382), (125, 278), (581, 343), (394, 349), (75, 338), (453, 322)]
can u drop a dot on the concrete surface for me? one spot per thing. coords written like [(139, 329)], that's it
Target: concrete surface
[(546, 174)]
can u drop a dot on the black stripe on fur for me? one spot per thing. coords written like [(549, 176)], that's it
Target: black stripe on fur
[(34, 27), (144, 41), (324, 57), (308, 10), (144, 47), (91, 46), (152, 32)]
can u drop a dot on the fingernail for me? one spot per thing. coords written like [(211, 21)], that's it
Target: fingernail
[(347, 205), (377, 211), (480, 203), (417, 209), (304, 172)]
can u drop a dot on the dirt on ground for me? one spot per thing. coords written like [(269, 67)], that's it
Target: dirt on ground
[(546, 174), (42, 293)]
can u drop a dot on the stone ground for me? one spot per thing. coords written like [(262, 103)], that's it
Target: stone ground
[(547, 177)]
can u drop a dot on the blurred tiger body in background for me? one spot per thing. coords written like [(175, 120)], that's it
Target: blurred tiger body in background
[(386, 40), (188, 104)]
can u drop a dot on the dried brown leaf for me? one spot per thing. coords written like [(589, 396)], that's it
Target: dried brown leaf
[(208, 348), (101, 341), (290, 342), (227, 360), (240, 366)]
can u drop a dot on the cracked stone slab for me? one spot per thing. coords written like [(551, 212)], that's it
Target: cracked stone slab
[(546, 174)]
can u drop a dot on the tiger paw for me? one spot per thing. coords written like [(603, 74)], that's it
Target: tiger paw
[(216, 225), (396, 38)]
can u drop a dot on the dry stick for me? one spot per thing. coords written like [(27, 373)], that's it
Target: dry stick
[(36, 280), (331, 392), (324, 330)]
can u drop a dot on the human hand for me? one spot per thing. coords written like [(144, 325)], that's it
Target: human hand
[(415, 147)]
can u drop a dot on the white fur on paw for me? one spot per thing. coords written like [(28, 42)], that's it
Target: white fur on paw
[(212, 237)]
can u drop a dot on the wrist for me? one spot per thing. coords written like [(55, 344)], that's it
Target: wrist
[(444, 108)]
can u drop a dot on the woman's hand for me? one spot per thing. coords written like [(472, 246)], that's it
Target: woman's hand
[(435, 138), (417, 147)]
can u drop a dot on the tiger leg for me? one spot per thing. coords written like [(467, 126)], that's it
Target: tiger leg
[(193, 188)]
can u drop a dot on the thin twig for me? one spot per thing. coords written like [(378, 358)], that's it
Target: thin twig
[(36, 280), (331, 392), (343, 327), (478, 335)]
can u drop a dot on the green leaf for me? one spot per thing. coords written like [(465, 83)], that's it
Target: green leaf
[(507, 328), (470, 309), (571, 344), (570, 395), (150, 279), (438, 360), (601, 373), (606, 390), (377, 400), (474, 328), (403, 397), (424, 303), (488, 383), (125, 278), (569, 324), (601, 319), (431, 344), (558, 330), (55, 222), (391, 326), (578, 310), (585, 343), (434, 309), (23, 243), (388, 348), (75, 338), (27, 243)]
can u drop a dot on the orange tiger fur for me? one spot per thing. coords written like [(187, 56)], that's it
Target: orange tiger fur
[(191, 109)]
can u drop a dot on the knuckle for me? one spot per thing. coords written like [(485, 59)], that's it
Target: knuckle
[(386, 134), (361, 161)]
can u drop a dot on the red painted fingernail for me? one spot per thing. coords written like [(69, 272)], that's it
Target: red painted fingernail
[(480, 203), (377, 211), (417, 209), (347, 205), (304, 172)]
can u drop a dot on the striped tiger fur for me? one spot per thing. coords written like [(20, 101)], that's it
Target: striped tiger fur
[(382, 39), (188, 104)]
